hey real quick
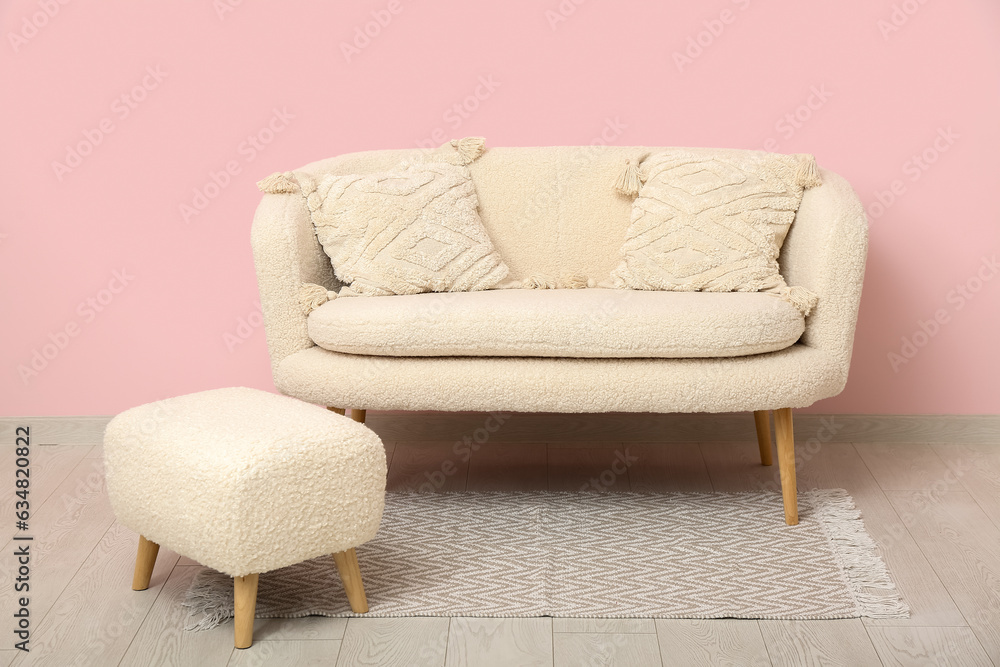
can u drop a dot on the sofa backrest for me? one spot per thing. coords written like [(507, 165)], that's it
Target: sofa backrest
[(551, 211)]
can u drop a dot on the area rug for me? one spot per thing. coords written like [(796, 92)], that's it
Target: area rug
[(611, 555)]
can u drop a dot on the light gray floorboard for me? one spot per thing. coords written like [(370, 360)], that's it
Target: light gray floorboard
[(500, 642), (97, 615), (915, 647), (428, 467), (605, 625), (977, 470), (572, 649), (162, 640), (56, 430), (595, 469), (827, 643), (390, 448), (66, 528), (310, 627), (287, 654), (391, 642), (667, 467), (964, 547), (48, 466), (719, 643), (903, 466), (508, 467)]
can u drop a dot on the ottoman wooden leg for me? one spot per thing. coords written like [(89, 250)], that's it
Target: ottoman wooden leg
[(786, 463), (145, 559), (339, 411), (350, 574), (358, 415), (244, 608), (761, 419)]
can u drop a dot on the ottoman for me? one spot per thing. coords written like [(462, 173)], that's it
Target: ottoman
[(245, 482)]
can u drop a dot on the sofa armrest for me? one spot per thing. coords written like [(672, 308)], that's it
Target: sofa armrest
[(286, 254), (825, 251)]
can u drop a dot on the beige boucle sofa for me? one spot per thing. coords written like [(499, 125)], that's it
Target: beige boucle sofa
[(552, 212)]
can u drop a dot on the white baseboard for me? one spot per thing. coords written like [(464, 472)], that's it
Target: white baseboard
[(611, 427), (649, 427)]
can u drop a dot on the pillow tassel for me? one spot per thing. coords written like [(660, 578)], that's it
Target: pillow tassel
[(800, 297), (629, 180), (538, 282), (469, 149), (807, 174), (577, 281), (312, 296), (279, 183)]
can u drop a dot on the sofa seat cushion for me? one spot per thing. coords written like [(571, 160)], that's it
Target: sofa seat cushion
[(558, 323)]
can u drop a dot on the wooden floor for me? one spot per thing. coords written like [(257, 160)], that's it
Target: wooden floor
[(934, 511)]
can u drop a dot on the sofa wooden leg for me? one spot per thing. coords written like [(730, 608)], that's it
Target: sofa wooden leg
[(145, 559), (358, 415), (350, 574), (244, 608), (339, 411), (762, 420), (786, 462)]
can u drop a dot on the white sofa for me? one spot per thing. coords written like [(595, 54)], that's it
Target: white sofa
[(552, 212)]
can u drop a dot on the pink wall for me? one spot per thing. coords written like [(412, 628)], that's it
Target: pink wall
[(875, 86)]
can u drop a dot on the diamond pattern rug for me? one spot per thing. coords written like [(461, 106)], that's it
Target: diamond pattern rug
[(613, 555)]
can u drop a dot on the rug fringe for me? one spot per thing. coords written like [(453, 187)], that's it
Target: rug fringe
[(867, 575), (209, 603)]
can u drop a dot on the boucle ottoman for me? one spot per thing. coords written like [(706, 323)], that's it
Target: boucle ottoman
[(245, 482)]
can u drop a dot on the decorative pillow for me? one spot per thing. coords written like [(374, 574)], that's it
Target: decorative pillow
[(713, 221), (413, 229)]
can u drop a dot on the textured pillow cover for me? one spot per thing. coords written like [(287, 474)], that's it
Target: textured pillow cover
[(714, 221), (413, 229)]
